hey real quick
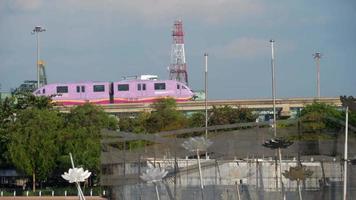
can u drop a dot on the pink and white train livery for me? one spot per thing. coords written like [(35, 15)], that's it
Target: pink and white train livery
[(125, 91)]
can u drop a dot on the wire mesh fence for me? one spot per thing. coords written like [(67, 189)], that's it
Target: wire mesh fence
[(235, 166)]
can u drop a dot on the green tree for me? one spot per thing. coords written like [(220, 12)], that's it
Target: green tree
[(197, 119), (7, 116), (134, 124), (317, 117), (165, 117), (228, 115), (28, 100), (82, 135), (9, 108), (33, 143)]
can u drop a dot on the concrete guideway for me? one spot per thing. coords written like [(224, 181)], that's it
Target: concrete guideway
[(284, 104)]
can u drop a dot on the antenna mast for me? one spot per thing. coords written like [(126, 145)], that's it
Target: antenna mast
[(178, 66)]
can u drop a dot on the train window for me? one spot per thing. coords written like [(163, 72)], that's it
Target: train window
[(139, 87), (184, 87), (78, 89), (83, 88), (62, 89), (178, 86), (43, 91), (160, 86), (123, 87), (99, 88), (144, 86)]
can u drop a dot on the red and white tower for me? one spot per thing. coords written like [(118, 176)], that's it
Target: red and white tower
[(178, 66)]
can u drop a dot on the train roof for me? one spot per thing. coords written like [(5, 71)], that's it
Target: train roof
[(128, 80)]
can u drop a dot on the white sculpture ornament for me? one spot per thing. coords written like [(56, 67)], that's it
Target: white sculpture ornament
[(153, 175), (76, 175)]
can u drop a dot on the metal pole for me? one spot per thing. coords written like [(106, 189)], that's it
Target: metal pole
[(200, 176), (38, 59), (206, 95), (273, 89), (317, 57), (37, 31), (274, 105), (345, 153), (318, 76)]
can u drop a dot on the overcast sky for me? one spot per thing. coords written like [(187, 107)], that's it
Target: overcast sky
[(106, 39)]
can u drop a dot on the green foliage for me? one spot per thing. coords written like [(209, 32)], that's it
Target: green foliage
[(28, 100), (134, 125), (9, 109), (37, 139), (228, 115), (7, 116), (319, 116), (81, 137), (352, 118), (197, 119), (33, 143), (165, 117)]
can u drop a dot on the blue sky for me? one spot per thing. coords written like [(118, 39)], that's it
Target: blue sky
[(106, 39)]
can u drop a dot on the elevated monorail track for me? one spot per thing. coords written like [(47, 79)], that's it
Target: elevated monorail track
[(284, 105)]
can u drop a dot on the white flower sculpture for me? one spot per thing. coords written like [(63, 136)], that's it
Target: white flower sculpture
[(75, 175), (197, 143), (153, 175)]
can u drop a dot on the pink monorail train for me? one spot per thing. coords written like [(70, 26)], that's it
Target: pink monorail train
[(125, 91)]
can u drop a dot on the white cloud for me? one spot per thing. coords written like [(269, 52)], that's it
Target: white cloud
[(208, 10), (242, 47), (249, 47), (24, 5)]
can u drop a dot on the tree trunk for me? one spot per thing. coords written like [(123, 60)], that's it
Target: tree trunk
[(33, 182)]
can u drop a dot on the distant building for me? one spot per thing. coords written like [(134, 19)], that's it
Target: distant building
[(26, 86), (11, 178)]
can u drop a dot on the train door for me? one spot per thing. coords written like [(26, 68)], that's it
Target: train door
[(141, 90), (179, 89), (82, 93), (111, 92)]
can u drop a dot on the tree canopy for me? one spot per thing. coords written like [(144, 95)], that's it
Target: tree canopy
[(33, 143), (318, 116), (82, 133), (36, 138)]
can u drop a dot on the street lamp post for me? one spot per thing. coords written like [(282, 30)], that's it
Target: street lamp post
[(273, 89), (348, 103), (37, 30), (275, 120), (317, 57), (206, 95), (345, 152)]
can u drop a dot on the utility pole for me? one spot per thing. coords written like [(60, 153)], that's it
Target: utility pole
[(345, 152), (273, 89), (206, 95), (37, 30), (317, 57), (275, 120)]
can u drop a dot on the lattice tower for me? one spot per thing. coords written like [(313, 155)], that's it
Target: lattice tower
[(178, 66)]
